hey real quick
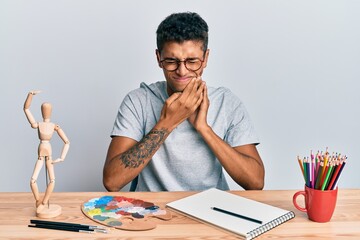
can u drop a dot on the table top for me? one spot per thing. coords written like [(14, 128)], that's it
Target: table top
[(16, 210)]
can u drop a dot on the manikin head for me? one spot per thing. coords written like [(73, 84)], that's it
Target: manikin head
[(46, 111)]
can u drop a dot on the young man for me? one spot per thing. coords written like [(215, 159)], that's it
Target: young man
[(179, 134)]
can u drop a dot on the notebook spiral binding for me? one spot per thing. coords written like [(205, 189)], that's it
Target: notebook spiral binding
[(266, 227)]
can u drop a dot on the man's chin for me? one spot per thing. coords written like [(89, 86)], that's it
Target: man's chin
[(172, 90), (179, 90)]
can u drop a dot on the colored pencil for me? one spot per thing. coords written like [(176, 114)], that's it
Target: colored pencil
[(325, 162), (325, 170), (305, 172), (308, 173), (318, 179), (311, 173), (334, 175), (322, 170), (337, 177), (301, 167), (317, 172), (329, 170)]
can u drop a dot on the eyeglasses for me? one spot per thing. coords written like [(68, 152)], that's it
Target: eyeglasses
[(172, 64)]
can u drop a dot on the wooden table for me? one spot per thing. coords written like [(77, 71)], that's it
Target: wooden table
[(17, 209)]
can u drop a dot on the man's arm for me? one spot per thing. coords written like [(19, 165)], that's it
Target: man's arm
[(127, 157), (242, 163)]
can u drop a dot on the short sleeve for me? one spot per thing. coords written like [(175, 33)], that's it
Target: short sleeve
[(129, 119), (241, 130)]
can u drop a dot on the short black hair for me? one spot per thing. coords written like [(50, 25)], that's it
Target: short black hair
[(180, 27)]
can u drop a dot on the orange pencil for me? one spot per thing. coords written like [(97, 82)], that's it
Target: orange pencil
[(326, 158), (301, 167)]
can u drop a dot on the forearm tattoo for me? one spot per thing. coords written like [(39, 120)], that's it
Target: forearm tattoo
[(145, 149)]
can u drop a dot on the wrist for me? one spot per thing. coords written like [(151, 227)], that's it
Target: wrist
[(164, 124), (204, 130)]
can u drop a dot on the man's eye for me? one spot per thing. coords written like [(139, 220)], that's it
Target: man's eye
[(170, 61), (192, 61)]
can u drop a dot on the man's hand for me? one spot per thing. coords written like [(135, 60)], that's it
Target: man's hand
[(199, 118), (180, 106)]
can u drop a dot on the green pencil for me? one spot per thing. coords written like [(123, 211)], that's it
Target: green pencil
[(329, 170)]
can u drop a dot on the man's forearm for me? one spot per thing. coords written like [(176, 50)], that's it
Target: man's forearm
[(143, 150), (244, 166), (121, 168)]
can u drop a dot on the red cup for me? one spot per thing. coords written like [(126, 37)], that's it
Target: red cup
[(319, 205)]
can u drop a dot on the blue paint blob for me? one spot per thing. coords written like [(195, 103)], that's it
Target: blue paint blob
[(114, 223), (152, 208), (137, 215), (89, 204), (104, 200), (100, 218)]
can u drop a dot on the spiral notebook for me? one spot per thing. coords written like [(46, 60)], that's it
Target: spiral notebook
[(241, 216)]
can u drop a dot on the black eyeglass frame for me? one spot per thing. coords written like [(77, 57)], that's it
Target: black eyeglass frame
[(180, 61)]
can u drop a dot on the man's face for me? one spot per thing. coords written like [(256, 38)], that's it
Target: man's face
[(178, 79)]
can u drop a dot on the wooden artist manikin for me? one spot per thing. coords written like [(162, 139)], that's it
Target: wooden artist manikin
[(45, 132)]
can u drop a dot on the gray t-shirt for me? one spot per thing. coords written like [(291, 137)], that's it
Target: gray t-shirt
[(184, 162)]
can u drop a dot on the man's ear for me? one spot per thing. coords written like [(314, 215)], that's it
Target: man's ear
[(206, 56), (157, 52)]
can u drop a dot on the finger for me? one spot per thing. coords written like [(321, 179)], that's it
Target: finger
[(197, 91), (191, 95), (198, 95), (201, 87), (200, 91), (199, 101), (173, 97), (196, 88), (188, 89), (193, 85), (198, 85), (205, 103), (206, 95)]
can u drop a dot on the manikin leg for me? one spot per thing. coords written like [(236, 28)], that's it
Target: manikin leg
[(34, 177), (50, 187), (46, 210)]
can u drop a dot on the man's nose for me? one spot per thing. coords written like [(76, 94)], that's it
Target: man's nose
[(181, 70)]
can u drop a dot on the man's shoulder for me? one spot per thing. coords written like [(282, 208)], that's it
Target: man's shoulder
[(144, 89), (222, 93), (157, 88)]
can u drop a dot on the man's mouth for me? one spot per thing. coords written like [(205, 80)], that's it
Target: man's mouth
[(183, 79)]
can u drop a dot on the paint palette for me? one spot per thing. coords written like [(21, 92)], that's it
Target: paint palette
[(124, 213)]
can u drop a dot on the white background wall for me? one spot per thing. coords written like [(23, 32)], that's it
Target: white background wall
[(295, 64)]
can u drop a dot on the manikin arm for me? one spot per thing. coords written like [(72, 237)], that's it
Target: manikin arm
[(66, 144), (28, 114)]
